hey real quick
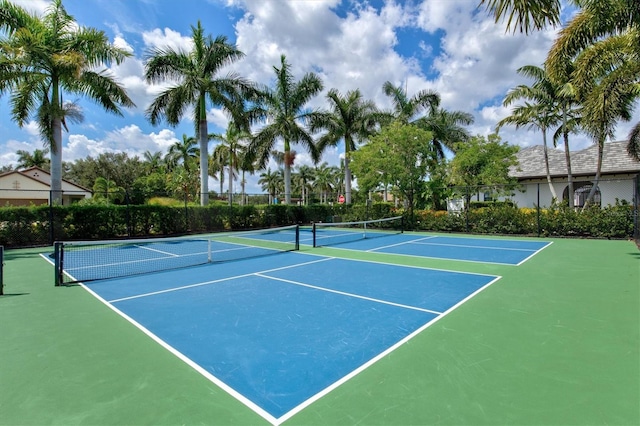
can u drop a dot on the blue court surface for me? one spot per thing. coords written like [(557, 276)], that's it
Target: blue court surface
[(485, 250), (280, 331)]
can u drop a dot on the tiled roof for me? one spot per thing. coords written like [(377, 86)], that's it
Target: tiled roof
[(584, 162)]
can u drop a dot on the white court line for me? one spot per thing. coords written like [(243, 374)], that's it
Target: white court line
[(479, 247), (250, 404), (482, 262), (375, 359), (402, 243), (184, 287), (343, 293), (156, 250), (534, 253)]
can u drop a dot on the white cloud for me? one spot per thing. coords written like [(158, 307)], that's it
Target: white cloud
[(129, 139), (167, 38)]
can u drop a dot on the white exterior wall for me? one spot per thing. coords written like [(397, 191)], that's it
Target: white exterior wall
[(24, 190), (610, 189)]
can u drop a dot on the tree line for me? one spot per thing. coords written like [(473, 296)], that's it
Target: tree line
[(589, 82)]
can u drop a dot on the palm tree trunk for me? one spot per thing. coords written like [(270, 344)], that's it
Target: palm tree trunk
[(204, 161), (567, 156), (230, 178), (347, 181), (594, 188), (554, 196), (56, 162)]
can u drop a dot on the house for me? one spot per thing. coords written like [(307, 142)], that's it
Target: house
[(620, 176), (32, 186)]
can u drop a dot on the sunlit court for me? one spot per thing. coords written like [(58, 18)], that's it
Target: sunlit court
[(260, 326)]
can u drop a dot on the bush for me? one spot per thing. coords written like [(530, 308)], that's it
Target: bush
[(30, 226)]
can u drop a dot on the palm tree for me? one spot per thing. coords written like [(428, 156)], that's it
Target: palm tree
[(605, 34), (608, 95), (540, 110), (198, 84), (408, 109), (153, 161), (219, 161), (109, 190), (596, 21), (351, 119), (247, 165), (184, 152), (37, 159), (304, 177), (324, 179), (230, 151), (45, 57), (526, 15), (286, 115), (447, 129), (270, 182)]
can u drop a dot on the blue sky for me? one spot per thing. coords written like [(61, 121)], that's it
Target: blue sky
[(449, 46)]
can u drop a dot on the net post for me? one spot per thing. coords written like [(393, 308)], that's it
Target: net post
[(57, 263), (297, 237), (314, 234)]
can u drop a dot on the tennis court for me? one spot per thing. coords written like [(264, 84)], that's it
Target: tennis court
[(387, 236), (368, 335), (278, 332)]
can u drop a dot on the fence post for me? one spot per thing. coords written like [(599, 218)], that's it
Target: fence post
[(186, 211), (636, 203), (52, 236), (467, 196), (128, 213), (538, 210)]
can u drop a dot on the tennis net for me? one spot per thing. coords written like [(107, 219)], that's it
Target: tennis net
[(81, 261), (328, 234)]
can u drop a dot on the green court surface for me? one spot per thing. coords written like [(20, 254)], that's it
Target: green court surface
[(555, 341)]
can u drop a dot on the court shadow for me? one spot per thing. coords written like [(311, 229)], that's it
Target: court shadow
[(13, 294)]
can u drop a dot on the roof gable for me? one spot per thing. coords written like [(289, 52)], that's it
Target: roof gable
[(44, 177), (584, 162)]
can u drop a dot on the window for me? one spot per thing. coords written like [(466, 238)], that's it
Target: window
[(581, 194)]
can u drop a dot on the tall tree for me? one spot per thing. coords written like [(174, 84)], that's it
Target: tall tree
[(305, 177), (271, 182), (351, 119), (596, 21), (37, 159), (400, 154), (153, 161), (540, 110), (409, 109), (183, 152), (607, 93), (46, 57), (324, 179), (286, 116), (230, 150), (197, 83), (525, 15), (483, 162), (447, 128), (603, 39)]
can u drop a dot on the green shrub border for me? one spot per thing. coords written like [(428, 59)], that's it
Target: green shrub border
[(42, 225)]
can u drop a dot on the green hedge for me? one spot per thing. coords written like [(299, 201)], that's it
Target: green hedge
[(32, 226)]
